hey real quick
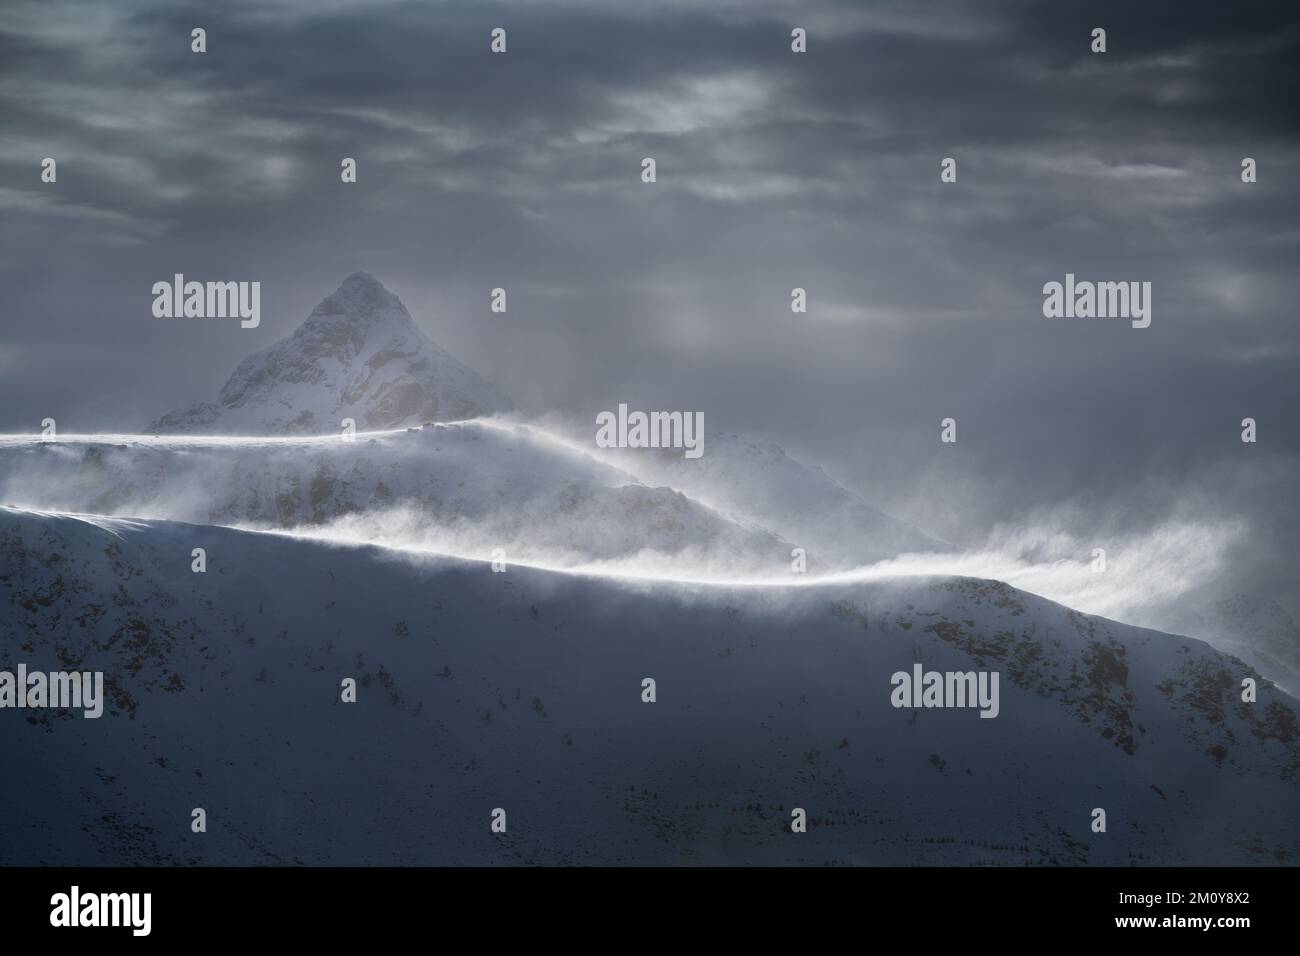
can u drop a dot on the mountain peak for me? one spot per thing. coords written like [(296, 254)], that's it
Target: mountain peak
[(361, 295), (363, 278), (359, 355)]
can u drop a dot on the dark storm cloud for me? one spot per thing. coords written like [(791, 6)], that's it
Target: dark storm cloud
[(775, 171)]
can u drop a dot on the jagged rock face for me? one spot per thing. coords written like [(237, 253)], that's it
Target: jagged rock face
[(359, 355)]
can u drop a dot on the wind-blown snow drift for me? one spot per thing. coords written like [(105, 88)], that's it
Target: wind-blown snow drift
[(467, 488)]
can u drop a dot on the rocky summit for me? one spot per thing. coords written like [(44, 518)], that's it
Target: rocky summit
[(359, 355)]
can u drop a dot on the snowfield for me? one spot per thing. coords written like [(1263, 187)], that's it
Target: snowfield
[(522, 690)]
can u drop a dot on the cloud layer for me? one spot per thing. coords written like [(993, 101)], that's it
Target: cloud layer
[(774, 171)]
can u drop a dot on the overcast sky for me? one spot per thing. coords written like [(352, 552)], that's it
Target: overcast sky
[(775, 170)]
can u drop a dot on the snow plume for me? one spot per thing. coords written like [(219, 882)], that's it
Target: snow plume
[(544, 538), (467, 489), (1144, 572)]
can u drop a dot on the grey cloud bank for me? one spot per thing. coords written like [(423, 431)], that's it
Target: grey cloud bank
[(819, 171)]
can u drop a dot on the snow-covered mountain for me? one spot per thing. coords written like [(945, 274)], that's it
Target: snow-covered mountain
[(359, 355), (523, 691), (471, 487), (759, 481), (466, 488)]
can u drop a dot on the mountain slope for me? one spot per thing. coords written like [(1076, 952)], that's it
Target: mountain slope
[(1255, 628), (464, 487), (759, 481), (359, 355), (522, 691)]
